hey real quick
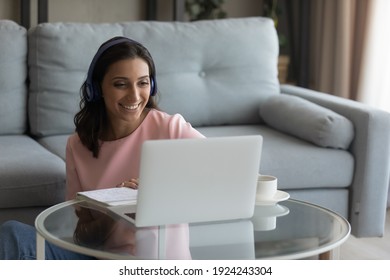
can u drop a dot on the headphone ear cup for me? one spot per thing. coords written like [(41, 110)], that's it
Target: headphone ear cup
[(93, 91), (152, 87), (89, 91)]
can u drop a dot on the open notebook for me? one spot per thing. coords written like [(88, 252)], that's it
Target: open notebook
[(109, 197)]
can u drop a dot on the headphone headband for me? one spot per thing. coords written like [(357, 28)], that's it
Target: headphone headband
[(91, 88)]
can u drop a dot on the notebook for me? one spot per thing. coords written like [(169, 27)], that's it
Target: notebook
[(109, 196), (196, 180)]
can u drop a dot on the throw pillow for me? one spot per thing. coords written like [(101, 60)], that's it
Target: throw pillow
[(306, 120)]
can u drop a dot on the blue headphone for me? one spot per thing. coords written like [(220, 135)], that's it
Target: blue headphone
[(91, 87)]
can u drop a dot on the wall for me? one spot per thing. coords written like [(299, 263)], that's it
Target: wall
[(114, 10), (9, 9), (243, 8), (96, 10)]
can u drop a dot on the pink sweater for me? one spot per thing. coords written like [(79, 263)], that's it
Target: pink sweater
[(118, 161)]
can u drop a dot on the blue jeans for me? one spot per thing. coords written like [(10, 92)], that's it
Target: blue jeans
[(18, 242)]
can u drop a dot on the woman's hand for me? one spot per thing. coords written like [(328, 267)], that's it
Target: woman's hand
[(132, 183)]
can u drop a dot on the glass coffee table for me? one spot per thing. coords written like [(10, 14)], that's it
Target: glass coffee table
[(290, 229)]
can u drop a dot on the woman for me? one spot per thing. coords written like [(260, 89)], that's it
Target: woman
[(117, 114)]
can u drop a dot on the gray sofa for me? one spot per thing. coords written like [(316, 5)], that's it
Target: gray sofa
[(222, 77)]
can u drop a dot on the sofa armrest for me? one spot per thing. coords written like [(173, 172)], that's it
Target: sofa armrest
[(371, 150)]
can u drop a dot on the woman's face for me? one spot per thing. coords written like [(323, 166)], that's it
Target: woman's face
[(126, 91)]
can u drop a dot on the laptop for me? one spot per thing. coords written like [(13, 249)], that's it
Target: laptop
[(197, 180)]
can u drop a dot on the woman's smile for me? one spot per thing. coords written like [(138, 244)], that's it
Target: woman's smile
[(130, 107)]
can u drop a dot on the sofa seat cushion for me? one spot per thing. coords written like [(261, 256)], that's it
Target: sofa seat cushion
[(298, 164), (55, 144), (308, 121), (29, 174)]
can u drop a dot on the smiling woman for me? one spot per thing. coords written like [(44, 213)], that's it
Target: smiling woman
[(117, 114)]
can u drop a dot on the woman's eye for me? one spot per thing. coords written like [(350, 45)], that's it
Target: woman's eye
[(119, 85), (144, 83)]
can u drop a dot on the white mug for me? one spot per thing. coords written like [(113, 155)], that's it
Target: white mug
[(266, 187)]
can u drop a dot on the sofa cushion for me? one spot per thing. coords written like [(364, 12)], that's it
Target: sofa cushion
[(209, 80), (29, 174), (214, 72), (298, 164), (13, 74), (55, 144), (309, 121)]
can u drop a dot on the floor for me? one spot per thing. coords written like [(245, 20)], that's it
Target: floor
[(368, 248)]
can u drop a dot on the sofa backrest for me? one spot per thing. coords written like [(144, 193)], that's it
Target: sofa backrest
[(212, 72), (13, 74)]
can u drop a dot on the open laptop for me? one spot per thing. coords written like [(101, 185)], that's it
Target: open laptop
[(197, 180)]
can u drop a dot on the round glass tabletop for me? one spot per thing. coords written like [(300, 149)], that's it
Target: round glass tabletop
[(290, 229)]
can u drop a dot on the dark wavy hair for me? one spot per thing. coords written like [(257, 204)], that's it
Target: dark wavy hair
[(91, 121)]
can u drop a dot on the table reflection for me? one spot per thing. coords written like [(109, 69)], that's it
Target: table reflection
[(222, 240), (264, 217), (107, 231), (100, 230)]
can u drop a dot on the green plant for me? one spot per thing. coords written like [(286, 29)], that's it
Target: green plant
[(272, 10), (204, 9)]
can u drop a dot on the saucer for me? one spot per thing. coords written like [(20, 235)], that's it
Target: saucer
[(271, 211), (279, 196)]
